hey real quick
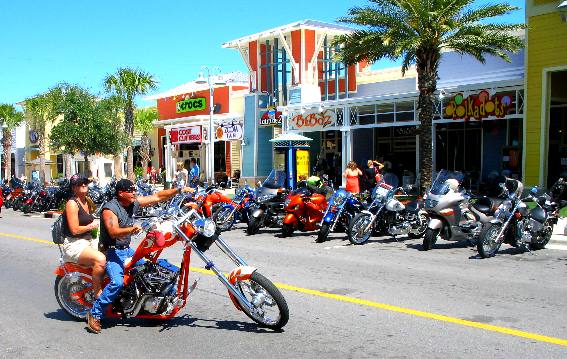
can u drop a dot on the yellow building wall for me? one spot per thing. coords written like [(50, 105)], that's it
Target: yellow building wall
[(547, 47)]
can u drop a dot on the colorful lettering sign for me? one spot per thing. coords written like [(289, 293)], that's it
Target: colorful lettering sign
[(478, 106), (272, 117), (191, 104), (313, 121), (229, 132), (190, 134), (302, 161)]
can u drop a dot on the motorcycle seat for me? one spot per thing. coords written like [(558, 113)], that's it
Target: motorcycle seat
[(487, 205)]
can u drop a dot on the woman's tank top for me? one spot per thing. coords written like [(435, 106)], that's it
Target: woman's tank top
[(84, 219)]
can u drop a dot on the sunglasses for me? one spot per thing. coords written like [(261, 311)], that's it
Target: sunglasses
[(129, 190)]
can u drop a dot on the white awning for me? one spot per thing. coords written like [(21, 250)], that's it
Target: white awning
[(291, 137), (200, 119)]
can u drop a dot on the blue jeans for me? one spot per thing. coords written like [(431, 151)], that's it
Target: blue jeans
[(115, 259)]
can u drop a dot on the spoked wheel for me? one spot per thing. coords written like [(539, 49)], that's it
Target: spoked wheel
[(487, 244), (74, 294), (420, 232), (269, 308), (357, 229), (323, 233), (224, 218), (542, 240), (430, 238), (27, 208)]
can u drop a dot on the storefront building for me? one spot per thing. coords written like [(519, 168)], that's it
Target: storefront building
[(353, 113), (182, 127), (546, 92)]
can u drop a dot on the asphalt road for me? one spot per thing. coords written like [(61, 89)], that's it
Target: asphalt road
[(385, 299)]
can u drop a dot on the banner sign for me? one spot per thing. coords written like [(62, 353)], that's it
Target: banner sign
[(478, 106), (229, 132), (191, 134), (272, 117), (313, 120), (191, 104), (302, 161)]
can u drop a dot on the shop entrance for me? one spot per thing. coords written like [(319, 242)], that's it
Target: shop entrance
[(396, 148), (557, 150)]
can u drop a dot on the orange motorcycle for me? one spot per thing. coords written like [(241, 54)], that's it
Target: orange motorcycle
[(304, 210)]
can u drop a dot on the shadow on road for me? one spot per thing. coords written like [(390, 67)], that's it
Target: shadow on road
[(59, 314), (448, 245)]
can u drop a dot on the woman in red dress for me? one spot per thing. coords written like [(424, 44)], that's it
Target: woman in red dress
[(352, 174)]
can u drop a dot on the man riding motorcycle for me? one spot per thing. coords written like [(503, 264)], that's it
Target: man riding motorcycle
[(116, 231)]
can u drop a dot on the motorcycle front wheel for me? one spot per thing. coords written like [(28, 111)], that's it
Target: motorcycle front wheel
[(542, 240), (224, 218), (357, 233), (487, 244), (27, 208), (424, 220), (287, 230), (254, 224), (430, 238), (68, 285), (269, 308), (323, 232)]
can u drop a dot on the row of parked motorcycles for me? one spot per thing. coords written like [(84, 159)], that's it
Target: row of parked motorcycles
[(503, 214)]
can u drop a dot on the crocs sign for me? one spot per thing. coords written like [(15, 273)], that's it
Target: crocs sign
[(192, 104), (478, 107)]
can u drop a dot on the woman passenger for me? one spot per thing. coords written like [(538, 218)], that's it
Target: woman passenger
[(81, 241)]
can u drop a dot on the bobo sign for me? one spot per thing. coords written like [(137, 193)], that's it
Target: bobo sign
[(192, 104)]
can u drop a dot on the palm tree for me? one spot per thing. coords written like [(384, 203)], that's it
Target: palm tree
[(418, 31), (143, 121), (39, 111), (128, 83), (9, 119)]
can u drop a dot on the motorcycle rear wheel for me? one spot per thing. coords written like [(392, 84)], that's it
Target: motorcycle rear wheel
[(535, 246), (323, 233), (224, 218), (68, 284), (356, 233), (27, 208), (487, 246), (430, 238), (260, 288)]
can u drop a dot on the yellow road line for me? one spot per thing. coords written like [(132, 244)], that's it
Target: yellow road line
[(383, 306)]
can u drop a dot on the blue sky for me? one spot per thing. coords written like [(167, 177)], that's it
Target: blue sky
[(46, 42)]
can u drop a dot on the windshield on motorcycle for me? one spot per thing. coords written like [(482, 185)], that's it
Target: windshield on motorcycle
[(275, 180), (440, 185)]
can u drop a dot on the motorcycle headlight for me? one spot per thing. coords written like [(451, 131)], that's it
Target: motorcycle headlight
[(339, 199), (205, 226)]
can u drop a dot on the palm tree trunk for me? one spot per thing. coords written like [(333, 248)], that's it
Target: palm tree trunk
[(7, 145), (67, 158), (427, 66), (87, 170), (129, 129), (117, 166), (42, 152)]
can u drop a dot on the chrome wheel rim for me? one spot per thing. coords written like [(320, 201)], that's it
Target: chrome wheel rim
[(71, 284), (359, 229), (489, 243), (264, 307)]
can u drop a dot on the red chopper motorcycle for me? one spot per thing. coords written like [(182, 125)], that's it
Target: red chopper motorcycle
[(157, 289), (304, 210)]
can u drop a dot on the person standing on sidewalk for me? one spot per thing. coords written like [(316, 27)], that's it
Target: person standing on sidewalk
[(352, 175), (194, 173), (115, 235)]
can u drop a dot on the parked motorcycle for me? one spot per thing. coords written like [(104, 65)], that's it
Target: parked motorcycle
[(304, 209), (388, 215), (238, 210), (268, 209), (159, 290), (341, 209), (514, 223), (12, 190), (453, 216)]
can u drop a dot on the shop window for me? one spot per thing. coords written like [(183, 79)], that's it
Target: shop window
[(108, 170), (385, 108), (60, 169), (385, 117), (366, 115), (404, 116), (406, 106)]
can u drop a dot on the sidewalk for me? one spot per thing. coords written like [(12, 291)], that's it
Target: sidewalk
[(559, 239)]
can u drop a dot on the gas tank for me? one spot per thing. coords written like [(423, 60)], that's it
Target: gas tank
[(538, 214), (319, 201), (395, 206)]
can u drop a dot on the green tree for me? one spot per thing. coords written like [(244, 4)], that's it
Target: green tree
[(143, 122), (417, 31), (127, 83), (39, 111), (10, 118), (87, 125)]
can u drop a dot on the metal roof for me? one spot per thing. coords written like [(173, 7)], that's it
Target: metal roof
[(331, 28)]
